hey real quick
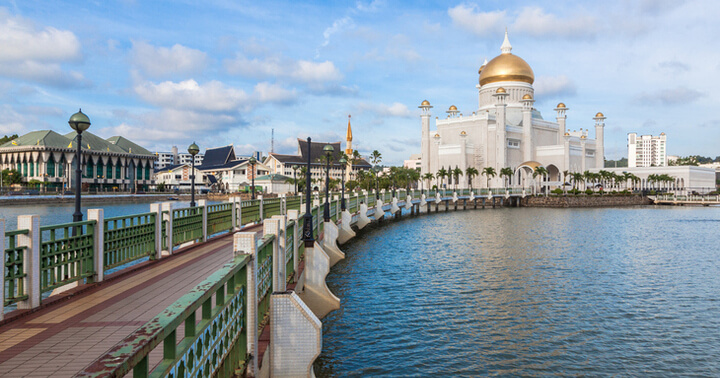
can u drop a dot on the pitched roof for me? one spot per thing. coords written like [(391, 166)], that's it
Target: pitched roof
[(301, 161), (273, 177), (169, 168), (46, 138), (227, 165), (128, 146), (219, 155), (316, 150)]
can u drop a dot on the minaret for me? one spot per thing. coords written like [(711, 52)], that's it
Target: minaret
[(349, 149), (500, 123), (463, 156), (425, 138), (599, 140), (506, 47), (527, 106), (561, 118)]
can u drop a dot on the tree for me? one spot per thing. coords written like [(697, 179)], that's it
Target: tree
[(441, 174), (413, 177), (576, 177), (375, 159), (10, 177), (457, 172), (6, 139), (489, 173), (428, 176), (542, 172), (471, 172), (506, 173)]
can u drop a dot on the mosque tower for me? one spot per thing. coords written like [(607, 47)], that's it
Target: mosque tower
[(349, 149)]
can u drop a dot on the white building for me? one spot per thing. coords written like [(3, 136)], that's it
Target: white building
[(173, 157), (228, 172), (687, 178), (178, 177), (415, 162), (506, 130), (647, 150)]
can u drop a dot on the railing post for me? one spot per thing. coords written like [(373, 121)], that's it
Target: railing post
[(203, 204), (238, 209), (98, 215), (274, 226), (294, 215), (283, 204), (167, 206), (2, 269), (31, 259), (261, 207), (157, 209), (244, 244), (233, 207)]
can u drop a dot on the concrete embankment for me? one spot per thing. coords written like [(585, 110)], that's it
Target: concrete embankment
[(584, 201), (90, 199)]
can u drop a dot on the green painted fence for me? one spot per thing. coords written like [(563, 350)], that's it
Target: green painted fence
[(219, 218), (187, 225), (128, 238), (250, 211), (14, 268), (289, 250), (264, 276), (66, 254)]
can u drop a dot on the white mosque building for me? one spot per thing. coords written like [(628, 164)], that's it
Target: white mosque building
[(523, 142)]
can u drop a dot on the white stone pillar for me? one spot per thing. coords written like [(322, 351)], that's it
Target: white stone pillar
[(244, 244), (276, 226), (599, 141), (157, 209), (295, 336), (98, 215), (561, 119), (167, 218), (233, 211), (261, 207), (203, 204), (31, 259), (294, 215), (527, 128)]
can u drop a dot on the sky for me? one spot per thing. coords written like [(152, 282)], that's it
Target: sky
[(219, 72)]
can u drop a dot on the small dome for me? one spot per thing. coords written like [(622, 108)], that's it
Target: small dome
[(561, 105), (464, 133), (500, 90), (567, 133), (453, 107), (437, 135), (425, 103), (662, 133), (583, 137), (599, 115), (527, 97)]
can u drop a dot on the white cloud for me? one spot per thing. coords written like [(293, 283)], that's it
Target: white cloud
[(547, 86), (267, 92), (671, 96), (44, 73), (164, 61), (471, 19), (338, 25), (213, 96), (302, 71), (395, 109), (536, 22), (20, 41)]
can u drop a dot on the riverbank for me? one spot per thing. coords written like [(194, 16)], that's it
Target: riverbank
[(585, 201), (94, 198)]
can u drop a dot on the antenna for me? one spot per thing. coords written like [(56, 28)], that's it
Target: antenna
[(272, 141)]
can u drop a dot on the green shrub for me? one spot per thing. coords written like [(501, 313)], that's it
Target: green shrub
[(588, 191), (557, 191)]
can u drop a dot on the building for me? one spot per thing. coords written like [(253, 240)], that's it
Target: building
[(177, 177), (173, 157), (282, 164), (647, 150), (415, 162), (687, 178), (507, 131), (113, 164), (231, 173)]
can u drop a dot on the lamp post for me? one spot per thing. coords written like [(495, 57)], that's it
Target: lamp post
[(343, 162), (193, 149), (377, 183), (308, 236), (328, 150), (295, 168), (79, 122), (252, 162)]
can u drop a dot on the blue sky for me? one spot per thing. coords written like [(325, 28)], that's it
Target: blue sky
[(166, 73)]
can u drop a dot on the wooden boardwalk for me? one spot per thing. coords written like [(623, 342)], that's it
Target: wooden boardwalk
[(63, 337)]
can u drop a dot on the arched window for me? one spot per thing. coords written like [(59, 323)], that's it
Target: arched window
[(50, 167), (118, 171), (147, 172), (100, 169), (89, 168), (108, 173)]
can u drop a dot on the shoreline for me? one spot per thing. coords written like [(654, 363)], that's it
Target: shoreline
[(93, 198)]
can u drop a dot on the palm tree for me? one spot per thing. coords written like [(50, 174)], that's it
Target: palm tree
[(457, 172), (441, 174), (471, 172), (428, 176), (506, 172), (413, 177), (375, 159), (489, 173), (576, 176), (540, 171)]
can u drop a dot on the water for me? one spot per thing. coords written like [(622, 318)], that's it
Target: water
[(626, 291)]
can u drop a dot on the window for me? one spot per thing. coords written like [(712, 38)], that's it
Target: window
[(178, 177), (513, 143)]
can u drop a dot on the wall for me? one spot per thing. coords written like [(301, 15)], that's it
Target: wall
[(584, 201)]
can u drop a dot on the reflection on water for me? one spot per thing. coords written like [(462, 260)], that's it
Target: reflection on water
[(631, 291)]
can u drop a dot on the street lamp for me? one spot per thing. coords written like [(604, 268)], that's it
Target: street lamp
[(328, 150), (295, 168), (193, 149), (308, 236), (343, 162), (377, 183), (252, 162), (79, 122)]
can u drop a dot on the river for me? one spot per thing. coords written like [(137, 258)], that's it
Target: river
[(529, 291)]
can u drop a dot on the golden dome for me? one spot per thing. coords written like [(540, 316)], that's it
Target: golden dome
[(500, 90), (531, 163), (507, 67), (437, 135), (463, 132), (527, 97), (453, 107), (425, 103), (561, 105), (567, 133), (583, 137), (599, 115)]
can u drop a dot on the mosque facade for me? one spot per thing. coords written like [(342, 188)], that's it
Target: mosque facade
[(507, 130)]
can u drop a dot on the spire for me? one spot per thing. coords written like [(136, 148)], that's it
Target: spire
[(506, 48), (349, 130), (485, 63)]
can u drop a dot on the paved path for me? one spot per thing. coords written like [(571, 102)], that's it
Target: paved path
[(63, 338)]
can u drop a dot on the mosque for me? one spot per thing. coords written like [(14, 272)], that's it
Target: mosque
[(523, 142)]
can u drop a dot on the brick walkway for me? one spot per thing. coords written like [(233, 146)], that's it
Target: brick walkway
[(63, 338)]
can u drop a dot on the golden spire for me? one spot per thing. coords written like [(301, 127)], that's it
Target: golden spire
[(349, 130)]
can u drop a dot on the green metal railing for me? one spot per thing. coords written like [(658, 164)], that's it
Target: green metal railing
[(187, 225), (213, 346), (352, 204), (271, 207), (333, 210), (14, 268), (66, 254), (163, 231), (264, 276), (128, 238), (250, 211), (219, 218), (293, 202), (289, 249)]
